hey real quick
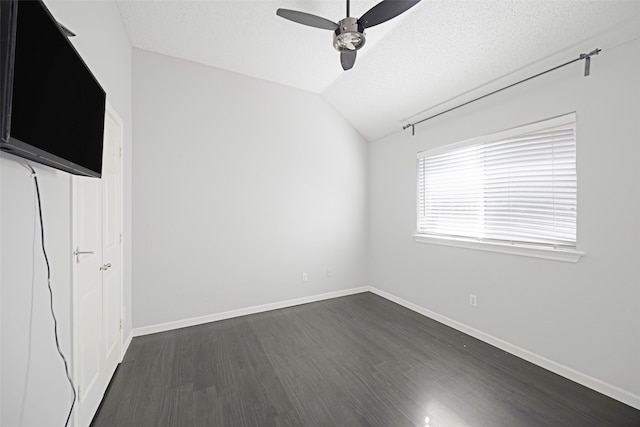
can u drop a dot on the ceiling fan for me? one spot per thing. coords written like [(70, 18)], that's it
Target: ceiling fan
[(348, 33)]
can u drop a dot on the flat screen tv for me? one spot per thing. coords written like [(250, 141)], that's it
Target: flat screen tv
[(52, 107)]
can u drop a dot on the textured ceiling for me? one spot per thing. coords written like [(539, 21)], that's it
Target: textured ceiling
[(436, 51), (247, 36)]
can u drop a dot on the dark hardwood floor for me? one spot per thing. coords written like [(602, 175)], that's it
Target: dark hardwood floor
[(353, 361)]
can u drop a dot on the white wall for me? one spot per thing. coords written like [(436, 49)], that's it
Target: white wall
[(584, 316), (240, 185), (33, 387)]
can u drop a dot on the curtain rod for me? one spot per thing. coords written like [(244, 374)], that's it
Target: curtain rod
[(587, 70)]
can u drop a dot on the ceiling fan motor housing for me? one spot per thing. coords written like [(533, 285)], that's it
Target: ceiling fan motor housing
[(349, 35)]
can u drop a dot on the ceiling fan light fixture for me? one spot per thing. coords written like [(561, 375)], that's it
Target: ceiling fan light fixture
[(348, 41), (349, 35)]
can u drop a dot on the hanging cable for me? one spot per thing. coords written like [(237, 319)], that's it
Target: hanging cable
[(587, 69), (53, 314)]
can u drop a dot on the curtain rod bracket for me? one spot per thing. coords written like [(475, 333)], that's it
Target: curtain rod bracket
[(412, 126), (587, 61), (587, 66)]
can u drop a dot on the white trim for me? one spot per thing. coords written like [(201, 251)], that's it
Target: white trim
[(126, 345), (113, 114), (168, 326), (116, 117), (600, 386), (75, 347), (567, 255)]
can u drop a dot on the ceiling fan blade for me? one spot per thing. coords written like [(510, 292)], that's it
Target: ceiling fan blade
[(384, 11), (307, 19), (347, 59)]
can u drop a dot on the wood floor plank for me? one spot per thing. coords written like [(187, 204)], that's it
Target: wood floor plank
[(359, 360), (303, 370)]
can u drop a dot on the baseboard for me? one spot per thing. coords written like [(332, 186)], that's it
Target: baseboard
[(185, 323), (600, 386), (127, 343)]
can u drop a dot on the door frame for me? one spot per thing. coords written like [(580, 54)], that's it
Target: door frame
[(75, 328), (116, 117)]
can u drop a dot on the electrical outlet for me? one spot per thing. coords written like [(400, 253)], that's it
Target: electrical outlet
[(329, 272), (305, 277), (473, 300)]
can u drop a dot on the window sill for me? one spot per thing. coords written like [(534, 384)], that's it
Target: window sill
[(566, 255)]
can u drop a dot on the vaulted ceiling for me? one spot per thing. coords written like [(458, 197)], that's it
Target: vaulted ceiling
[(414, 64)]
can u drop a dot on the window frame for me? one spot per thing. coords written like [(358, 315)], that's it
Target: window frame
[(515, 248)]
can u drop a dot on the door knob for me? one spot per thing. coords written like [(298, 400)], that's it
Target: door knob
[(78, 252), (106, 266)]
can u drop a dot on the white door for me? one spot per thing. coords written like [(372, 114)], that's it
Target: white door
[(112, 242), (87, 296), (97, 303)]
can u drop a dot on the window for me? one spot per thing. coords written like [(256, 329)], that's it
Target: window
[(513, 189)]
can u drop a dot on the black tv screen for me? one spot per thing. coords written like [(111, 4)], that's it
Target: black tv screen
[(53, 107)]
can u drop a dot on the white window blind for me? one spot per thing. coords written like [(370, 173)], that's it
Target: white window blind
[(516, 186)]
